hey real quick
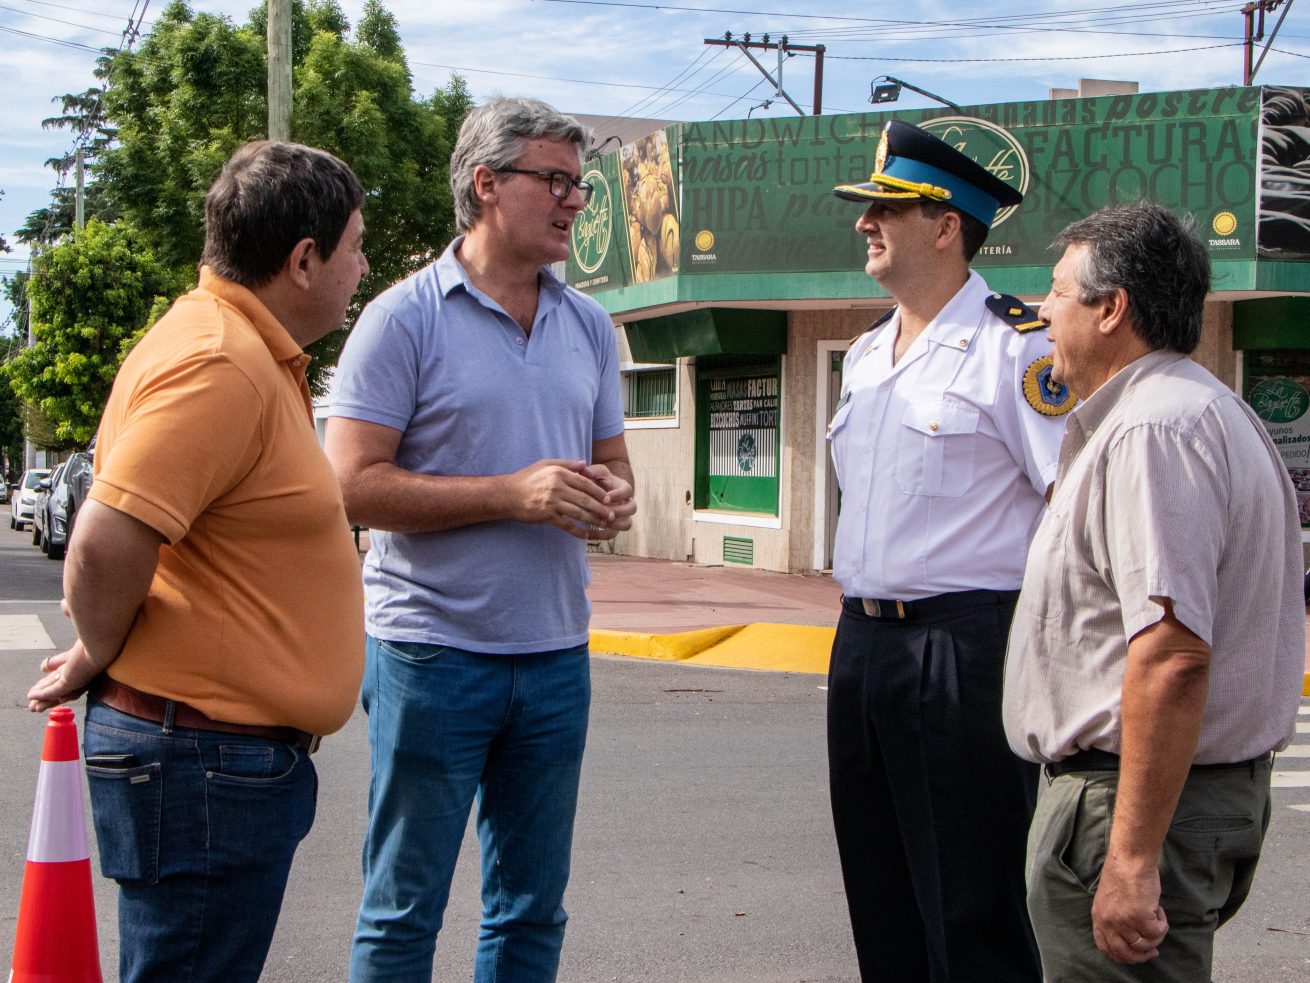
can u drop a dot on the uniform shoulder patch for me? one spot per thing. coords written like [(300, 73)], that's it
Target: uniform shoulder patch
[(1044, 394), (1015, 313), (876, 324)]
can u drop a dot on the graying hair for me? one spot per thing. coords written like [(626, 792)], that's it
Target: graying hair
[(496, 135), (1157, 258)]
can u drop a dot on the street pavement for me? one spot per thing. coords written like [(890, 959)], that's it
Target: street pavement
[(703, 851)]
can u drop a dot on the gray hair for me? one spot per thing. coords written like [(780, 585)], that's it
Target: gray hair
[(1157, 258), (495, 135)]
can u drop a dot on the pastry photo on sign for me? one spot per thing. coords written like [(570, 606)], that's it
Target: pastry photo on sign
[(650, 207)]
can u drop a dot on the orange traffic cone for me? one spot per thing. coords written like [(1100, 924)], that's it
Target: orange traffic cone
[(56, 940)]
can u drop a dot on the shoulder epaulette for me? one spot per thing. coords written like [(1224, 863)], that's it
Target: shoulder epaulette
[(876, 324), (1015, 313)]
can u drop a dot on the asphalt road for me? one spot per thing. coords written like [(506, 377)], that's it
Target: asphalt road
[(703, 852)]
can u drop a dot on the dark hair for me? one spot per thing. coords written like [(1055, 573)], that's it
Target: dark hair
[(972, 232), (269, 196), (1157, 258), (495, 135)]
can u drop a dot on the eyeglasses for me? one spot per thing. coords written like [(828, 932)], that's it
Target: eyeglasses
[(561, 185)]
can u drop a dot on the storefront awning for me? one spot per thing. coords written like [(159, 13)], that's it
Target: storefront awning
[(708, 331)]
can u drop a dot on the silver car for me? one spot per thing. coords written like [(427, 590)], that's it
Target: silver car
[(22, 502)]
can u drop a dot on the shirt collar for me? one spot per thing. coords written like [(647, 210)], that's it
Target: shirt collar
[(949, 326), (279, 341), (452, 275), (1092, 411)]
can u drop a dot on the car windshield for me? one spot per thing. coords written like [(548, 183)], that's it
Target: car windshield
[(34, 478)]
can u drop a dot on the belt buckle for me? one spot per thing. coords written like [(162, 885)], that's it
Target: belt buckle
[(875, 608)]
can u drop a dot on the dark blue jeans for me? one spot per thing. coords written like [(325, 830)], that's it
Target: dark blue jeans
[(444, 725), (199, 829)]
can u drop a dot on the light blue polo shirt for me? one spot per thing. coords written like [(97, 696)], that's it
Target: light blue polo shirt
[(472, 394)]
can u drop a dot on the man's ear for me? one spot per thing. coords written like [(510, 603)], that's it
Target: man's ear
[(484, 182), (300, 262), (948, 227), (1114, 310)]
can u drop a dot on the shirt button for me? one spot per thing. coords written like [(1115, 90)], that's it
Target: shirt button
[(964, 342), (518, 341), (933, 426)]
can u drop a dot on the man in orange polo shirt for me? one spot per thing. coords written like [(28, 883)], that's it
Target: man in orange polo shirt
[(213, 580)]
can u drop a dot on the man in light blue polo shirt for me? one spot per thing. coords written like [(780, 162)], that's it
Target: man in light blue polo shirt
[(477, 429)]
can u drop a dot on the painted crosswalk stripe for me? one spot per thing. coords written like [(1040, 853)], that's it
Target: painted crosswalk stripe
[(22, 632), (1293, 751), (1303, 728), (1291, 779)]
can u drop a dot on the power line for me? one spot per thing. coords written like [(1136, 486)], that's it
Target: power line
[(42, 37), (80, 10), (56, 20), (1041, 58)]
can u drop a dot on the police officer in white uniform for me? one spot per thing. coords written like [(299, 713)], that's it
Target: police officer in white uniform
[(945, 442)]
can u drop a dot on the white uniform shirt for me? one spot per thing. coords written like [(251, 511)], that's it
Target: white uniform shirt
[(943, 463)]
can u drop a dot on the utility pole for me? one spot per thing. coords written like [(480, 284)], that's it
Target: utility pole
[(279, 69), (784, 49), (1253, 14), (79, 198)]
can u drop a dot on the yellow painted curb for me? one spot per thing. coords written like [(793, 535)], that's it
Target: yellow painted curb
[(776, 648), (644, 645), (1305, 686)]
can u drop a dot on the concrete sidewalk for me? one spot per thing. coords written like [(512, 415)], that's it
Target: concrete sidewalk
[(720, 616), (714, 616)]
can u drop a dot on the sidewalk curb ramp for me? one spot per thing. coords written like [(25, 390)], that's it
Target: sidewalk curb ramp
[(772, 648), (768, 647)]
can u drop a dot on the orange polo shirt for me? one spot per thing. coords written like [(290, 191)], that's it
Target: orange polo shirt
[(256, 612)]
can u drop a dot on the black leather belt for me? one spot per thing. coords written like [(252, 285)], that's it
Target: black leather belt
[(1094, 759), (926, 607), (148, 706)]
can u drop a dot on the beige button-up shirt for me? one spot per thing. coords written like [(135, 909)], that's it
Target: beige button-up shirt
[(1168, 487)]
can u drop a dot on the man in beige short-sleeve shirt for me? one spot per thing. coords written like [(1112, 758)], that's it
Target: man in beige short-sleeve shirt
[(1156, 654)]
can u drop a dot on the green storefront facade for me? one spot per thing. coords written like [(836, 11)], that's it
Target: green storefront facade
[(737, 281)]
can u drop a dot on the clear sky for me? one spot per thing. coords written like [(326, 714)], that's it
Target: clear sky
[(639, 59)]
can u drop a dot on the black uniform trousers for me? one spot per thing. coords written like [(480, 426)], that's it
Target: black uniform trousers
[(931, 807)]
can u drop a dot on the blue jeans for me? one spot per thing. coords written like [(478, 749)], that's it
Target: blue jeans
[(444, 725), (199, 829)]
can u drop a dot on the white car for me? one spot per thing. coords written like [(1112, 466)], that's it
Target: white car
[(23, 500)]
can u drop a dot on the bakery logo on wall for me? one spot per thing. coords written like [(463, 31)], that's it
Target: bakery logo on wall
[(1279, 400), (704, 251), (1223, 225), (593, 228), (746, 453), (993, 147)]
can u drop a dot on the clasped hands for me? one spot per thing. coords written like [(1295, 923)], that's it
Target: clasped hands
[(587, 501)]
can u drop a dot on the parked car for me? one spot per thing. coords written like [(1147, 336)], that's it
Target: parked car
[(23, 500), (44, 531), (77, 486)]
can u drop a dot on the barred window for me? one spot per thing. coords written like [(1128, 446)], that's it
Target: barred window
[(649, 391)]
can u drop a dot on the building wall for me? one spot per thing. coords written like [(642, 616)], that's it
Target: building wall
[(1215, 351), (666, 525), (662, 461)]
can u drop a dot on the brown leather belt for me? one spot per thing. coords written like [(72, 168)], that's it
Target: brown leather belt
[(148, 706)]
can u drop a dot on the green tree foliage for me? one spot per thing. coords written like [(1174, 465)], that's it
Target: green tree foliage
[(195, 90), (90, 295)]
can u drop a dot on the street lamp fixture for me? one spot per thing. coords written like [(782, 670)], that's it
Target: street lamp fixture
[(890, 91)]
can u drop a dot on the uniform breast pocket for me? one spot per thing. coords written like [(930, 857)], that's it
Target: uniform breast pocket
[(839, 437), (935, 448)]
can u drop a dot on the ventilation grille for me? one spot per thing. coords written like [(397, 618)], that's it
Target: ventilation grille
[(738, 550)]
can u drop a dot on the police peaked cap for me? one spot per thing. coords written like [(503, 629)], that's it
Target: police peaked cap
[(912, 163)]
